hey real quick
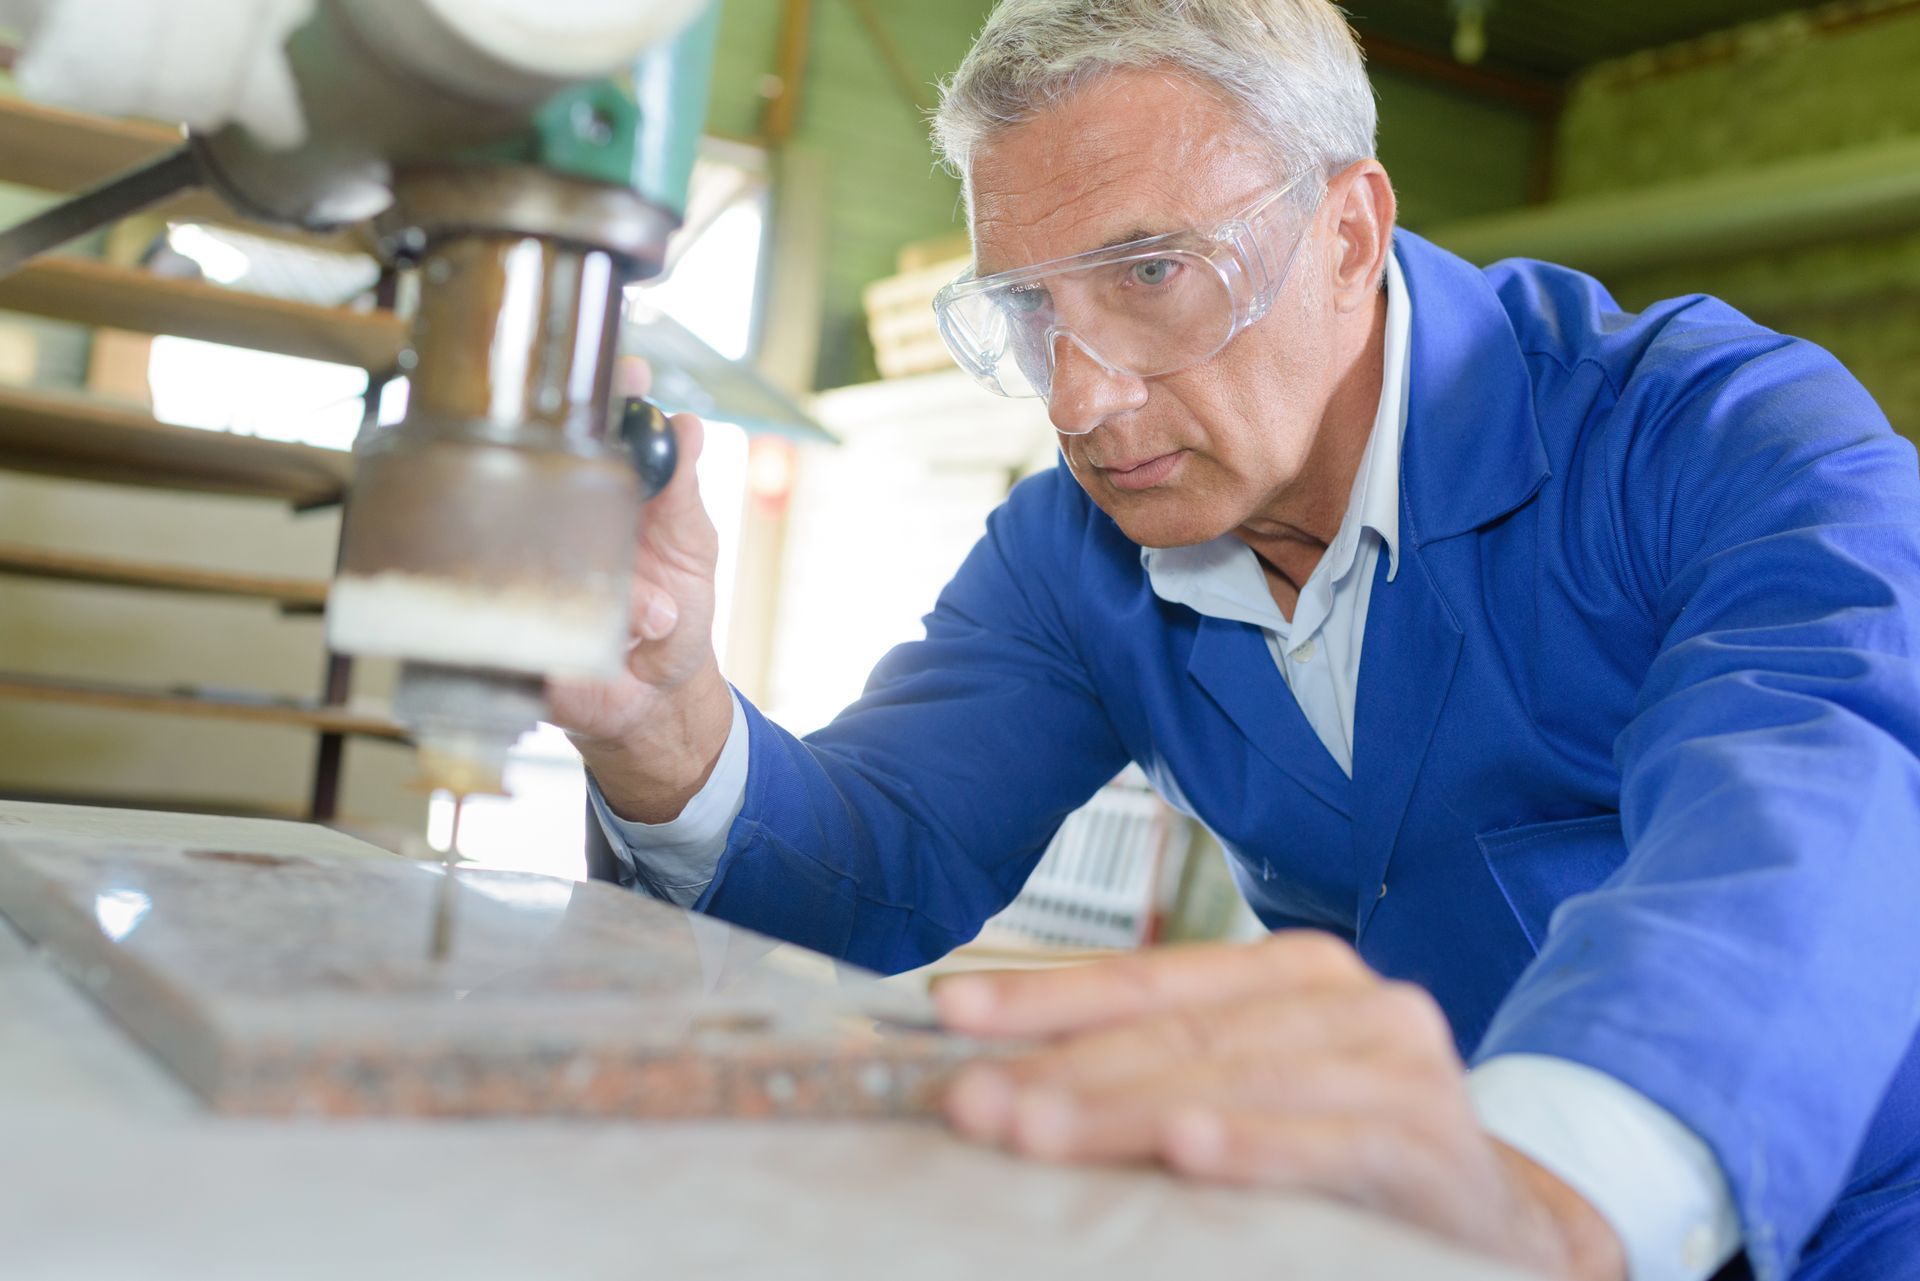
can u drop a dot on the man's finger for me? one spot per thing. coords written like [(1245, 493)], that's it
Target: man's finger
[(1284, 1029), (1054, 1002), (655, 615), (1258, 1051), (1129, 1122), (1364, 1160), (632, 376)]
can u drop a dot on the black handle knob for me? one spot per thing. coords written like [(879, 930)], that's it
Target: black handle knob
[(649, 438)]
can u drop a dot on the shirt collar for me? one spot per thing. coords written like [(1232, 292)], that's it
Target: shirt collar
[(1222, 578)]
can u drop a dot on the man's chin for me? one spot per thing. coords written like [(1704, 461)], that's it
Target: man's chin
[(1152, 521)]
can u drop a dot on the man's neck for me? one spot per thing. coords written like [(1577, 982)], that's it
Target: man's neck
[(1292, 532)]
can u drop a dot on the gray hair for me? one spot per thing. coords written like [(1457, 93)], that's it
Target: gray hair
[(1293, 65)]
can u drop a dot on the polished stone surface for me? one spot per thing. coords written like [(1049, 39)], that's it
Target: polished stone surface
[(300, 984)]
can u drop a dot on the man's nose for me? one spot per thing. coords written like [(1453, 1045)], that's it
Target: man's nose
[(1083, 392)]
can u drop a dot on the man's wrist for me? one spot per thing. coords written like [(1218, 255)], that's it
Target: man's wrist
[(650, 774), (1587, 1244)]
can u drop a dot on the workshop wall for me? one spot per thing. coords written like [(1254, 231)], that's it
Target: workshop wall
[(1814, 82), (1453, 156)]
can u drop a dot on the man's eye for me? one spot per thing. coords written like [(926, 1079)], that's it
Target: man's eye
[(1025, 301), (1155, 271)]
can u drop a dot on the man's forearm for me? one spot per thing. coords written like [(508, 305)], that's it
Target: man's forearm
[(649, 774)]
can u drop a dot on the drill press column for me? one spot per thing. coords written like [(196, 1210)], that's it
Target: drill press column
[(489, 541)]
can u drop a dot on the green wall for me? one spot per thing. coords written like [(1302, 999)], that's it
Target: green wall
[(1451, 156), (1764, 94), (882, 187)]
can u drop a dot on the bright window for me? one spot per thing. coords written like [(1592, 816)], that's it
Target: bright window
[(255, 393)]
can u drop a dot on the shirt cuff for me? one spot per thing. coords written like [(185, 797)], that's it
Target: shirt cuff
[(677, 859), (1652, 1179)]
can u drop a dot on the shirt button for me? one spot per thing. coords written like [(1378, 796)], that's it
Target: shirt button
[(1697, 1251), (1303, 652), (1383, 889)]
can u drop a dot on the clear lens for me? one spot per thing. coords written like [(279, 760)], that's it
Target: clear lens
[(1141, 316)]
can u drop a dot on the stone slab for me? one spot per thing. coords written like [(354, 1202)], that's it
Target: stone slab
[(293, 984)]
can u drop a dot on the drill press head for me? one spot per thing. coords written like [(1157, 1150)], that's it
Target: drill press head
[(489, 537), (526, 162), (488, 541)]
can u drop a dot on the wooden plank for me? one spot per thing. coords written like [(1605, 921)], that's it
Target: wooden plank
[(296, 595), (16, 805), (782, 115), (58, 150), (53, 149), (229, 705), (71, 436), (1533, 94), (89, 292)]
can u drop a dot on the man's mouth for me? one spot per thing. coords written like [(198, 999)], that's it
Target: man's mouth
[(1141, 473)]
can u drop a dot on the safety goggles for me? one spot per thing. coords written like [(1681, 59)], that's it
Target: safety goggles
[(1140, 310)]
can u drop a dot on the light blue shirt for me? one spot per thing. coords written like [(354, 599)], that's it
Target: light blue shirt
[(1650, 1177)]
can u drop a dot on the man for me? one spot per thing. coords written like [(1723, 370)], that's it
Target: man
[(1548, 673)]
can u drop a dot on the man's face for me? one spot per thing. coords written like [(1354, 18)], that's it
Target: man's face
[(1185, 457)]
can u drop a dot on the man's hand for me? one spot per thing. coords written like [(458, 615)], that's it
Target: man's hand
[(1287, 1064), (651, 735)]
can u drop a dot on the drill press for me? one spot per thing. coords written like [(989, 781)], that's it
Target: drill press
[(525, 160)]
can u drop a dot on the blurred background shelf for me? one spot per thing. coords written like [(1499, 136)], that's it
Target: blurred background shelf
[(68, 151), (230, 705), (293, 595), (90, 292), (60, 434), (129, 292), (65, 151)]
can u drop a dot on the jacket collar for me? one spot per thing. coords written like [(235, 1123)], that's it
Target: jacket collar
[(1472, 451)]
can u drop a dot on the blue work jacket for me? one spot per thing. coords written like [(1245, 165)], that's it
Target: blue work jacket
[(1635, 777)]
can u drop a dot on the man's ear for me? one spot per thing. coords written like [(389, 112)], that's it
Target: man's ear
[(1361, 204)]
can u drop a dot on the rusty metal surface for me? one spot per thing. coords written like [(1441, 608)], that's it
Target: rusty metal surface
[(436, 202), (289, 985)]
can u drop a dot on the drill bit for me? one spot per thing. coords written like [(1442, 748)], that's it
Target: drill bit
[(442, 938)]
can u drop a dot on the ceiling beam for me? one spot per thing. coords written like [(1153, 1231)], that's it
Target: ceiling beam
[(1536, 95), (782, 115)]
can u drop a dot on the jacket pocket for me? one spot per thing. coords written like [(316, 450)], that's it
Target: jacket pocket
[(1539, 866)]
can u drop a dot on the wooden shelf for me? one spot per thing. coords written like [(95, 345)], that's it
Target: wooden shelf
[(90, 292), (67, 151), (57, 150), (71, 436), (209, 806), (259, 709), (294, 595)]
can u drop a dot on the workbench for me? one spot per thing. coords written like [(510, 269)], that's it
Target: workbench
[(111, 1168)]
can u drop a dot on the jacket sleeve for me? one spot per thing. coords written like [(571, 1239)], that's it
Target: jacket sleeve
[(1754, 965), (891, 835)]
